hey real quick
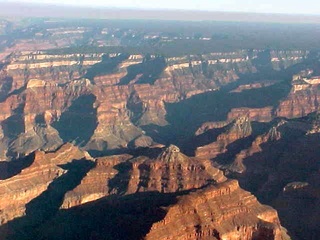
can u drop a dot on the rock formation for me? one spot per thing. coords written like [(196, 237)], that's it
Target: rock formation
[(120, 112), (169, 171), (223, 211), (204, 204), (239, 129), (240, 105), (19, 190)]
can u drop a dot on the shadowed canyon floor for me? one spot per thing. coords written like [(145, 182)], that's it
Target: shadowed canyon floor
[(169, 183), (101, 139)]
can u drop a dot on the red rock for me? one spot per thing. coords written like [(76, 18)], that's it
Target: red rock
[(223, 211), (17, 191)]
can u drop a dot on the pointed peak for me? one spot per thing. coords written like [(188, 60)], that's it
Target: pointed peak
[(281, 122), (241, 125), (274, 134), (172, 149), (242, 120), (171, 154), (314, 118)]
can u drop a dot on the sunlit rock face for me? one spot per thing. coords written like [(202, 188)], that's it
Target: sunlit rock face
[(203, 202), (118, 103), (17, 191), (239, 129), (129, 94), (224, 211), (165, 170)]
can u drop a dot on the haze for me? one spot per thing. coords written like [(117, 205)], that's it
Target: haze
[(262, 6), (218, 10)]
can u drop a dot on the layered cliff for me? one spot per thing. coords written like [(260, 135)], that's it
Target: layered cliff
[(211, 213), (278, 164), (162, 193), (16, 192), (165, 170), (239, 129), (39, 90)]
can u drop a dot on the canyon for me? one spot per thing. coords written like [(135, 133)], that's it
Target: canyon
[(161, 185), (98, 144)]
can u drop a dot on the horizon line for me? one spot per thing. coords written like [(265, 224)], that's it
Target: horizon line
[(52, 10)]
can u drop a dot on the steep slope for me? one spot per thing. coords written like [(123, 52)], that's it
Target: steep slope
[(223, 211), (239, 129), (164, 170), (137, 190), (280, 165), (16, 192), (130, 97)]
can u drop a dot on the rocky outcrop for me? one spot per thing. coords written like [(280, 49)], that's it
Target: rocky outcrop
[(272, 135), (203, 202), (240, 128), (170, 171), (127, 99), (254, 114), (254, 86), (299, 103), (19, 190), (223, 211), (95, 184)]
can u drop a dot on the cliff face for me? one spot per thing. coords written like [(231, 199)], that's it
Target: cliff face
[(193, 216), (38, 90), (163, 194), (169, 171), (28, 117), (278, 164), (239, 129), (16, 192), (299, 103)]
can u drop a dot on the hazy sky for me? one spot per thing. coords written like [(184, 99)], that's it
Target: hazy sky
[(265, 6)]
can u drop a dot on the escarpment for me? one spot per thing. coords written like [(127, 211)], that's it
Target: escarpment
[(211, 214), (16, 192), (163, 194), (165, 170), (38, 89), (125, 130), (130, 105), (239, 129)]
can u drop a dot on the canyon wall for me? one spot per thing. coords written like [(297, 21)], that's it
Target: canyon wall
[(39, 91)]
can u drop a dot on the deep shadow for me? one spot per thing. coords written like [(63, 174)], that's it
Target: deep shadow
[(47, 204), (5, 87), (107, 65), (232, 150), (150, 69), (263, 61), (119, 184), (14, 125), (113, 218), (78, 123), (10, 169), (144, 178), (203, 139), (140, 151)]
